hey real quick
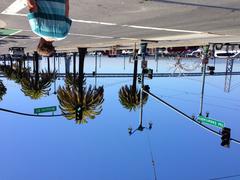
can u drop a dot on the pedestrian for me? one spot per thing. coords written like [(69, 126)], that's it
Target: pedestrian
[(49, 19)]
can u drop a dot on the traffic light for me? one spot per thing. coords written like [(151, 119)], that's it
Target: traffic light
[(226, 134), (146, 88), (143, 47), (211, 69), (139, 79), (150, 73), (145, 71), (78, 114), (130, 131)]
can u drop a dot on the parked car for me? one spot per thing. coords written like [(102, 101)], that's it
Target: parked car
[(16, 52), (226, 54), (195, 53)]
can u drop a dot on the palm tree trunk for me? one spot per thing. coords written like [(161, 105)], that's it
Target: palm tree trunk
[(74, 66), (20, 67), (82, 53), (11, 62), (135, 69), (36, 62), (48, 61)]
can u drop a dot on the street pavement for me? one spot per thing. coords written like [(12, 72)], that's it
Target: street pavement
[(105, 23)]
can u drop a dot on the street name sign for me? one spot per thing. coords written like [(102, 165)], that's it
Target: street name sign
[(212, 122), (45, 109)]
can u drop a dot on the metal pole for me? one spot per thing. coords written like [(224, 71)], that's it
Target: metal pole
[(204, 62), (203, 86), (96, 62), (59, 63), (54, 63), (141, 101), (143, 47), (124, 61), (100, 60)]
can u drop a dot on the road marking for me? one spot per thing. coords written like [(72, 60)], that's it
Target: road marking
[(162, 29), (18, 5), (8, 32), (15, 7), (91, 35), (94, 22)]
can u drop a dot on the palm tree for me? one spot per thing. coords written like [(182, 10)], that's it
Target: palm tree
[(3, 90), (77, 98), (129, 96), (14, 73), (72, 80), (37, 86), (34, 87), (90, 102)]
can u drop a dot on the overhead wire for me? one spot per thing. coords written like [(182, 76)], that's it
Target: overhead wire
[(31, 115), (188, 117), (197, 94), (152, 157), (215, 105)]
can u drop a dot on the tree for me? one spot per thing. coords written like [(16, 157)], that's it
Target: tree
[(90, 102), (3, 90), (129, 96), (72, 80), (38, 85)]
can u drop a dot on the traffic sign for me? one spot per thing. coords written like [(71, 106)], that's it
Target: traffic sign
[(212, 122), (45, 109)]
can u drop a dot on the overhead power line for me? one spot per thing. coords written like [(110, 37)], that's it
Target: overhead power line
[(31, 115), (187, 116)]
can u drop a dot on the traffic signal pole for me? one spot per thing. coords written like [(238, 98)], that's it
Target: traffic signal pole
[(203, 88), (143, 49), (204, 63), (188, 117)]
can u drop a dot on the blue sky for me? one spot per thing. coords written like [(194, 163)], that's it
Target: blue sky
[(58, 149)]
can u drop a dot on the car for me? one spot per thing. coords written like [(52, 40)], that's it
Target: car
[(127, 52), (227, 54), (16, 52), (195, 53)]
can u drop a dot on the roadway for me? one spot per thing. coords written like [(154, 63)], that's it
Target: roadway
[(104, 23)]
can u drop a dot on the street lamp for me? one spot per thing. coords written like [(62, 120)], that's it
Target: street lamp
[(139, 128), (144, 71)]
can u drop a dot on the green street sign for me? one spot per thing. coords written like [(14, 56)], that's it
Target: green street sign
[(211, 121), (45, 109)]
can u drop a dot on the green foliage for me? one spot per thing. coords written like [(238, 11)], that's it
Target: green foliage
[(37, 87), (3, 90), (70, 99), (129, 97)]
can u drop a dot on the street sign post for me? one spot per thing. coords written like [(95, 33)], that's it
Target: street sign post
[(45, 109), (212, 122)]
